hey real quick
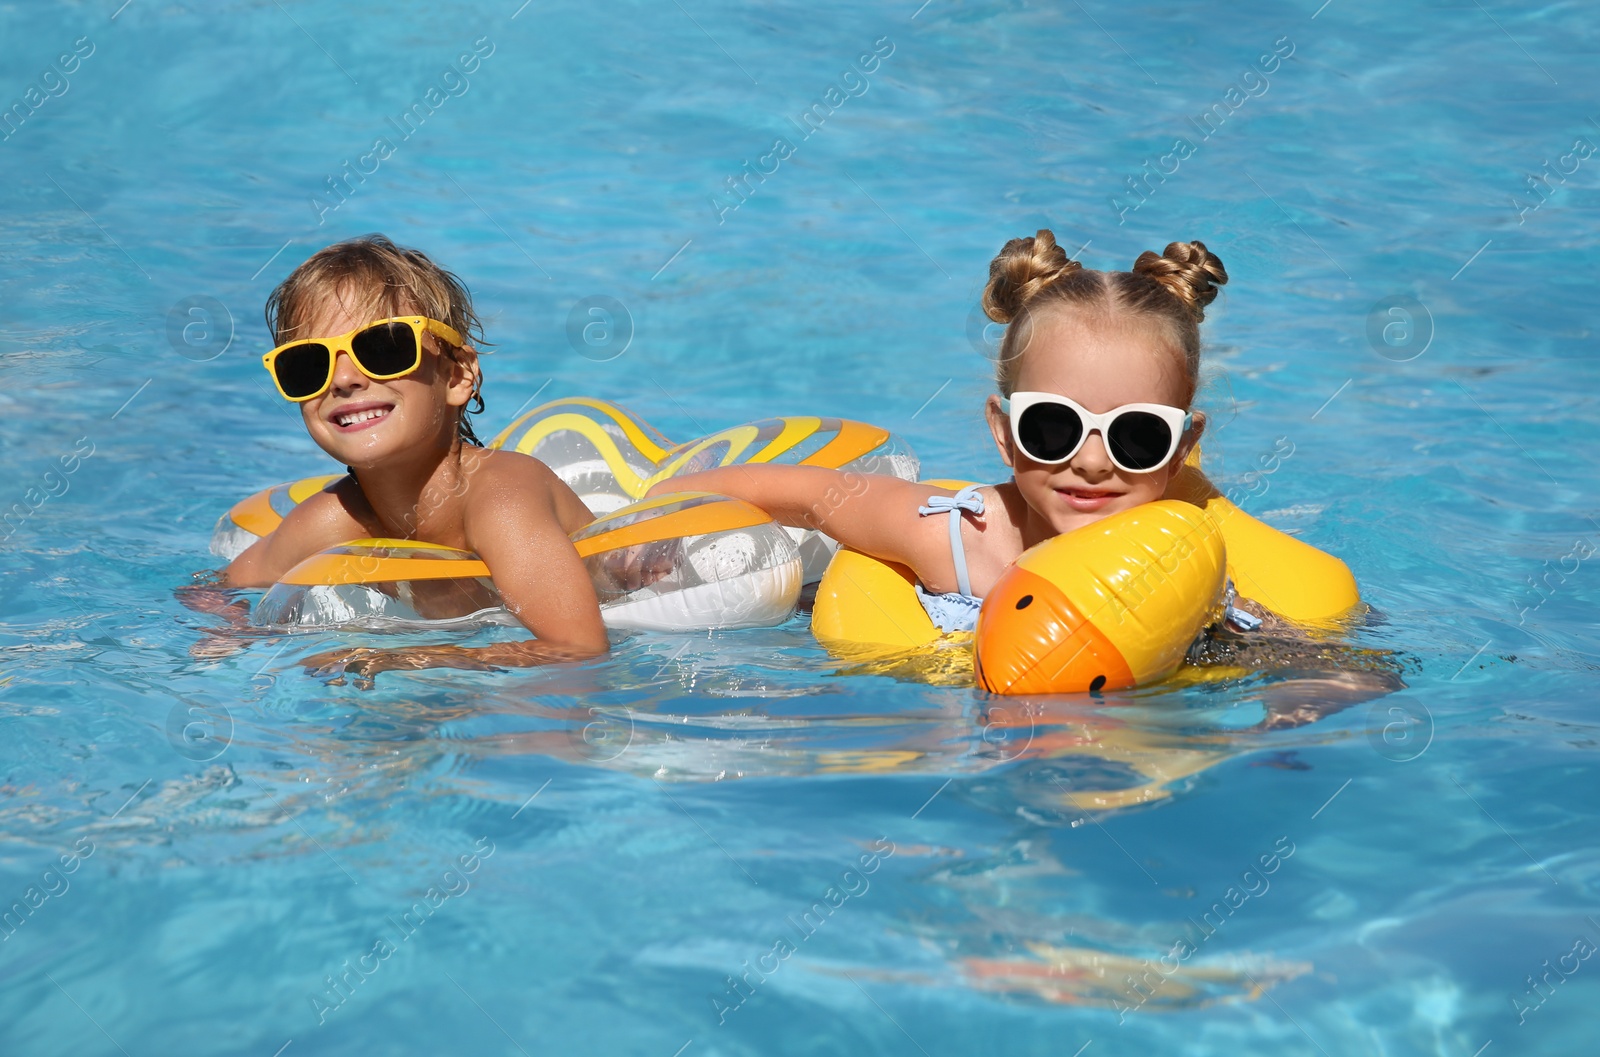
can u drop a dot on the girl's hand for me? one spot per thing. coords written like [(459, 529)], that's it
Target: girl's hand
[(628, 569), (365, 663), (1298, 701), (214, 645)]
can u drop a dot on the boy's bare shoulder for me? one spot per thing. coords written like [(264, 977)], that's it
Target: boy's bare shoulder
[(510, 481), (496, 471)]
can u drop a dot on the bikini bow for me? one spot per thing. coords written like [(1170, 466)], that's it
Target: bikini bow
[(967, 499)]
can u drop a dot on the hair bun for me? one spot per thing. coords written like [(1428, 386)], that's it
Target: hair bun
[(1020, 270), (1188, 270)]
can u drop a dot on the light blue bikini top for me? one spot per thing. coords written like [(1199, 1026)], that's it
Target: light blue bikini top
[(958, 610), (955, 610)]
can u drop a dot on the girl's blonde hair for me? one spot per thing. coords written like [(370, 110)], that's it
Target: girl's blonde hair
[(384, 280), (1031, 275)]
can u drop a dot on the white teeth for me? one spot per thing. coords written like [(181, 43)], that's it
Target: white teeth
[(361, 416)]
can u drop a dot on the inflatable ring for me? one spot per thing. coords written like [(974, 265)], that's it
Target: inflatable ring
[(868, 610), (255, 516), (687, 560), (1105, 607)]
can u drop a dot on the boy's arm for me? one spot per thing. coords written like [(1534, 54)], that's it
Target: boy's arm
[(515, 524), (868, 512), (322, 521)]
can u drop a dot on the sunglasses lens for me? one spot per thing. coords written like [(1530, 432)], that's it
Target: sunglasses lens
[(1049, 431), (1139, 440), (302, 369), (386, 349)]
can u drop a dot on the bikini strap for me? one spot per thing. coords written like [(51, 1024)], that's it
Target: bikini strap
[(967, 499)]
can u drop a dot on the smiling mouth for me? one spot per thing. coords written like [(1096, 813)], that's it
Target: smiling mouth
[(1087, 500), (361, 416)]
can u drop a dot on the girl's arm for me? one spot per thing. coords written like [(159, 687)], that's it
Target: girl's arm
[(515, 521), (872, 513), (1308, 677)]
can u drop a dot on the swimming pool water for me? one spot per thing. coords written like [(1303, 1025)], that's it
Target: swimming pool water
[(733, 843)]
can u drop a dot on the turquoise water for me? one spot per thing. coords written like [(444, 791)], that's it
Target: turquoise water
[(588, 854)]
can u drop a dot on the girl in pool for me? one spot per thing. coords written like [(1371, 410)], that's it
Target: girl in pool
[(1096, 374), (374, 347)]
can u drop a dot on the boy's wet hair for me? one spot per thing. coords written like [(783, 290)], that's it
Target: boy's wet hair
[(387, 280), (1033, 274)]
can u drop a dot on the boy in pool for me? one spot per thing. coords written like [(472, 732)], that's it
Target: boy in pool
[(374, 344)]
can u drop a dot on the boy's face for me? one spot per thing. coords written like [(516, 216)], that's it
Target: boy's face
[(1101, 365), (363, 422)]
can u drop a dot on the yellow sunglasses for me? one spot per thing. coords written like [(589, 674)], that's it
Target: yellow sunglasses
[(381, 350)]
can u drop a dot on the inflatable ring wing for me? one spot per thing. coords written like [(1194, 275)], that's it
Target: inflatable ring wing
[(603, 452), (687, 560), (611, 457), (1290, 577)]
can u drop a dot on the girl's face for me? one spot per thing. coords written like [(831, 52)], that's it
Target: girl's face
[(1102, 364), (363, 422)]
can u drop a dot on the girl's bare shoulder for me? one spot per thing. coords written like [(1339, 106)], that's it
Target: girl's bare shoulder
[(993, 541), (1004, 511)]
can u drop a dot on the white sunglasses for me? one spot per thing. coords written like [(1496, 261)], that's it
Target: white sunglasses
[(1050, 429)]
